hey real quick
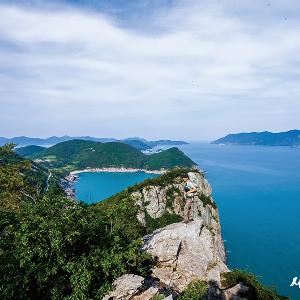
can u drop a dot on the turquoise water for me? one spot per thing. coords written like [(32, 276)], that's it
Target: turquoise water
[(94, 187), (257, 190)]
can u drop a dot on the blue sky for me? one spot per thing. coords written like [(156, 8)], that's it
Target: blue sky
[(193, 70)]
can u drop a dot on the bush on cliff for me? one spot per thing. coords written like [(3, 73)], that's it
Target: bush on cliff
[(196, 290), (256, 291)]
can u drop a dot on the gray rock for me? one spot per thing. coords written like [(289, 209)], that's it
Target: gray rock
[(185, 252), (201, 183), (235, 292), (125, 287), (132, 287), (154, 201)]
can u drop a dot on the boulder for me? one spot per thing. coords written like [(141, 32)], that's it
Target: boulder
[(125, 287), (185, 252)]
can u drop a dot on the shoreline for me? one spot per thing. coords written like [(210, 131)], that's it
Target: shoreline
[(117, 170)]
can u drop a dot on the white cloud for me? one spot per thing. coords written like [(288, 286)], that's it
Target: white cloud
[(204, 69)]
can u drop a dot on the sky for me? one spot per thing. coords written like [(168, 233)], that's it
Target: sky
[(191, 70)]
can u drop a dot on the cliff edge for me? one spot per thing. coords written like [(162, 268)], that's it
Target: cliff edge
[(182, 253)]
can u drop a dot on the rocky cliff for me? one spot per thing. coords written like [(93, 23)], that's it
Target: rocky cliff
[(183, 253)]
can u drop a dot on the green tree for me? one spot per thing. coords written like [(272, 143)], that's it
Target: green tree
[(57, 248)]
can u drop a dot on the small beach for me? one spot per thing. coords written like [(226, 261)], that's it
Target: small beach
[(117, 170)]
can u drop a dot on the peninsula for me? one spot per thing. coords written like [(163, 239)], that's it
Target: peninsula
[(82, 155)]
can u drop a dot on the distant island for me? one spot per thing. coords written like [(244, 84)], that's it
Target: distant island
[(136, 142), (80, 154), (266, 138)]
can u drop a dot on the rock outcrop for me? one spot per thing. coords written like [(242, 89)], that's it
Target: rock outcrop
[(182, 252), (186, 252)]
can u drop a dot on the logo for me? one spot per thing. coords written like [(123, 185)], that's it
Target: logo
[(294, 282)]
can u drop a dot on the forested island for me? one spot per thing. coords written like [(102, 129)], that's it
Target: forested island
[(266, 138), (80, 154)]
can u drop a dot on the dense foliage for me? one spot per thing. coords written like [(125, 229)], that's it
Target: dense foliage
[(56, 248), (80, 154), (29, 151), (167, 159), (21, 180)]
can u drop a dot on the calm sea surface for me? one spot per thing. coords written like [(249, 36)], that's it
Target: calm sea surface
[(257, 190), (94, 187)]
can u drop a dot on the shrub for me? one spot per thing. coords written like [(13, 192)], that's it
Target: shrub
[(196, 290)]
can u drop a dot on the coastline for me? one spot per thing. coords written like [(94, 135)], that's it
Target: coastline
[(117, 170)]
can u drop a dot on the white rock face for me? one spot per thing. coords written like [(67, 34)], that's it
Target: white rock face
[(133, 287), (186, 252), (234, 292), (125, 287), (201, 183), (154, 201)]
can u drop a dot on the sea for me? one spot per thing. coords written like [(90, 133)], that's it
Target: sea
[(257, 190), (92, 187)]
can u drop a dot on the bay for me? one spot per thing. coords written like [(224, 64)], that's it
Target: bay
[(93, 187)]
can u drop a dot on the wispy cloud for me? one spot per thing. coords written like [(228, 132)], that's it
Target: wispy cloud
[(195, 70)]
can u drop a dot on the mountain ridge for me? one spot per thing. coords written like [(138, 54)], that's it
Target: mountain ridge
[(139, 143)]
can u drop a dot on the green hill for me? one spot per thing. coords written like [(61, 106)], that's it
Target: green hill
[(23, 181), (137, 144), (168, 159), (29, 150), (80, 154)]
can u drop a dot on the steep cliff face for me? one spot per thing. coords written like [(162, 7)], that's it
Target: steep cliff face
[(182, 252)]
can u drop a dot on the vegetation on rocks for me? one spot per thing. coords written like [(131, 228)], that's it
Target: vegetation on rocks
[(207, 201), (56, 248), (196, 290), (166, 219)]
